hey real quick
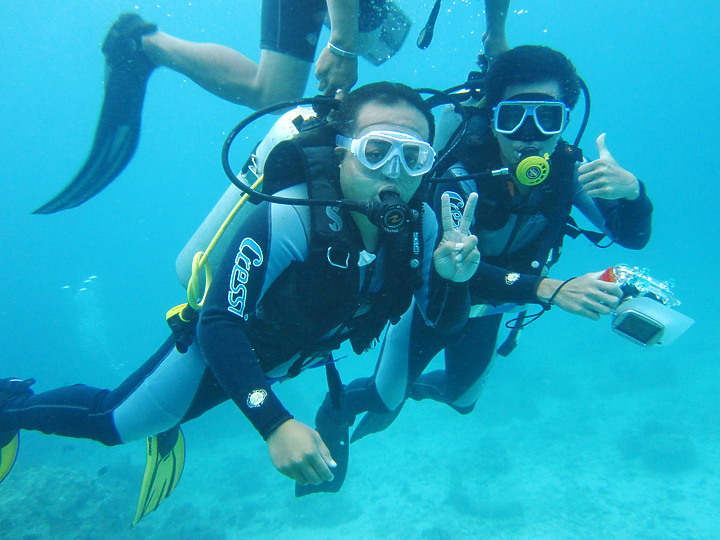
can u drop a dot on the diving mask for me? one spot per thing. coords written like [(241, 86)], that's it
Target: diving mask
[(549, 117), (390, 150)]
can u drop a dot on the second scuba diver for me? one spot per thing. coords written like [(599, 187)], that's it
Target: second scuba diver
[(295, 284), (520, 222)]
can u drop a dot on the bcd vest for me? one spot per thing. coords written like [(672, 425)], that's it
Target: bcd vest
[(478, 151), (313, 298)]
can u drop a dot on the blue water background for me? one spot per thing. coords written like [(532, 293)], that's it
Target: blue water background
[(579, 434)]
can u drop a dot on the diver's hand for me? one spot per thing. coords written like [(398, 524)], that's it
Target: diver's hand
[(605, 179), (457, 257), (586, 295), (335, 72), (298, 452)]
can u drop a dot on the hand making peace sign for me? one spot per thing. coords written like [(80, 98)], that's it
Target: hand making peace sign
[(457, 257)]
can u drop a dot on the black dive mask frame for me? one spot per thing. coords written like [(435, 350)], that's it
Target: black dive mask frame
[(391, 214)]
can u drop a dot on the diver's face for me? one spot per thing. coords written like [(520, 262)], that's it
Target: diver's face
[(511, 149), (360, 183)]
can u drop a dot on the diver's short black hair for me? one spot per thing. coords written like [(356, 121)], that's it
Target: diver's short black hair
[(386, 93), (532, 64)]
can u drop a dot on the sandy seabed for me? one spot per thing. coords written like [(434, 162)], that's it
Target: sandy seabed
[(548, 453)]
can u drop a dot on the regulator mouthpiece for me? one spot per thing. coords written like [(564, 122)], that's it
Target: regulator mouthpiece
[(392, 214), (533, 170)]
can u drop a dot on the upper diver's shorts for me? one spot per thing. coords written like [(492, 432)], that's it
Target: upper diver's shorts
[(293, 27)]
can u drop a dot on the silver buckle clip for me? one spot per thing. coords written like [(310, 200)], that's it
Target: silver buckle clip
[(336, 265)]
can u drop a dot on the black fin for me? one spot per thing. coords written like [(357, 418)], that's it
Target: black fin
[(116, 136), (374, 423), (335, 432)]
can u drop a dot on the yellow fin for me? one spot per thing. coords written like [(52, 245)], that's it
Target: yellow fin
[(8, 453), (164, 466)]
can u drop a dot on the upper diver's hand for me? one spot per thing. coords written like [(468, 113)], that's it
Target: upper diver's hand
[(298, 452), (605, 179), (335, 73), (457, 257)]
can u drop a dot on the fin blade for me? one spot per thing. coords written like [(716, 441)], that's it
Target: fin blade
[(118, 129), (373, 423), (163, 469), (335, 433), (8, 454), (340, 451)]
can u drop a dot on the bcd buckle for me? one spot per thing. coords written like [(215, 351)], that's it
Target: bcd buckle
[(182, 321), (343, 265)]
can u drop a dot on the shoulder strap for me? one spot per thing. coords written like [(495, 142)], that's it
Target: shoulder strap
[(289, 163)]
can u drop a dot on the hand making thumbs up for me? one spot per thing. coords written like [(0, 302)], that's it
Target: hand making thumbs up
[(605, 179)]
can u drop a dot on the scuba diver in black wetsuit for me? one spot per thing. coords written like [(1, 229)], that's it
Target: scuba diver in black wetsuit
[(295, 283), (520, 222)]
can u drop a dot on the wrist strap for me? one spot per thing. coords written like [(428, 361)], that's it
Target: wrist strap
[(558, 290), (340, 52)]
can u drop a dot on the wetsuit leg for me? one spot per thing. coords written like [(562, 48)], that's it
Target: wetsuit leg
[(407, 349), (466, 361), (292, 27), (155, 398)]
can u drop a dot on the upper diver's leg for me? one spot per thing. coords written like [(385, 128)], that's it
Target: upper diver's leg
[(289, 31), (133, 48), (229, 74)]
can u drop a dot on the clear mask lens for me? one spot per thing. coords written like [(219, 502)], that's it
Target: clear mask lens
[(391, 150), (376, 151)]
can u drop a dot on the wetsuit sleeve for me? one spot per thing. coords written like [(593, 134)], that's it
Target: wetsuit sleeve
[(628, 223), (444, 304), (493, 284), (267, 243)]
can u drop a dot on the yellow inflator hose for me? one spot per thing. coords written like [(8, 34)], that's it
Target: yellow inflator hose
[(201, 258)]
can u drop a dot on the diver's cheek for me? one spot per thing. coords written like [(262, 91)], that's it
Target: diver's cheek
[(356, 185)]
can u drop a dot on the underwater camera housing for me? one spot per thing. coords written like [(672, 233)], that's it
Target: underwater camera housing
[(645, 315)]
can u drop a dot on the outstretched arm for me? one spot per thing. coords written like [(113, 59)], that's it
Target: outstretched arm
[(336, 67), (296, 450), (494, 39)]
